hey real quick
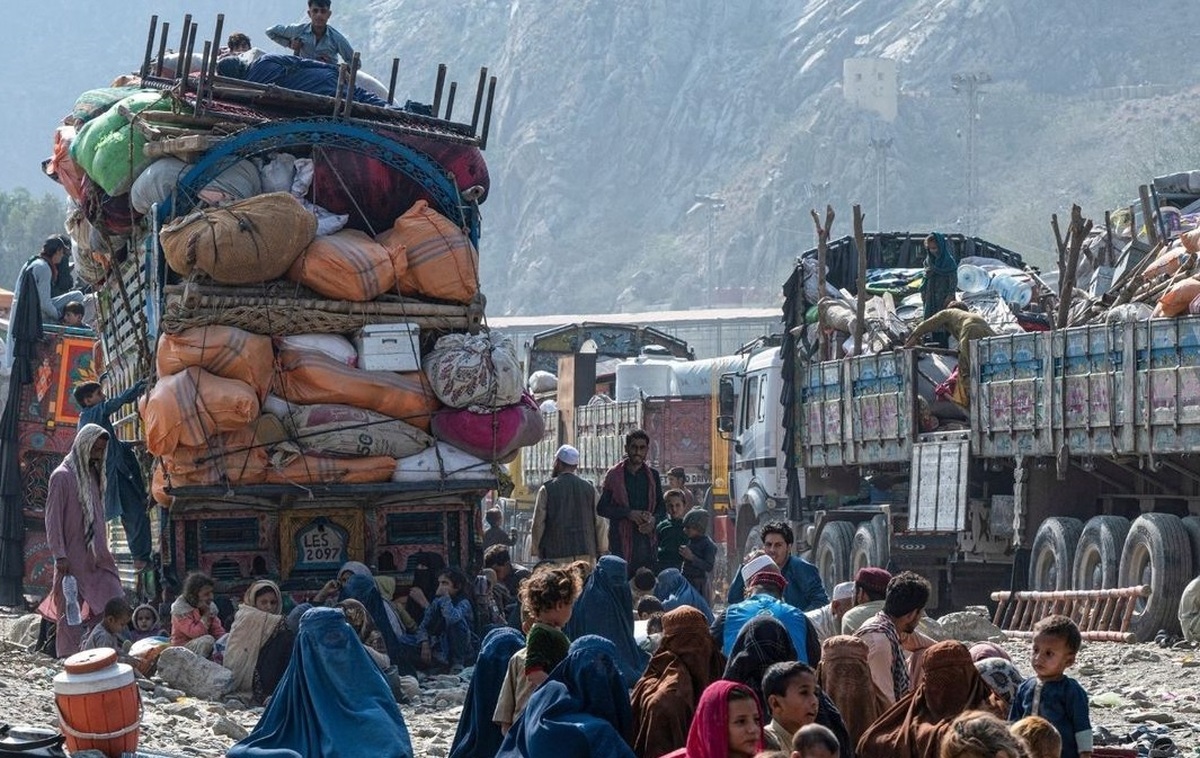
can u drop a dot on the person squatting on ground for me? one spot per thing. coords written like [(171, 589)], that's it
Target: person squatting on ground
[(194, 621), (76, 538)]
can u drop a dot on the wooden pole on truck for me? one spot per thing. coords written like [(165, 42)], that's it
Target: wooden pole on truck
[(822, 258), (1077, 232), (1148, 215), (438, 86), (860, 244)]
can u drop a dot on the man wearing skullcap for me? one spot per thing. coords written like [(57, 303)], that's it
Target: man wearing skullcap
[(827, 619), (870, 586), (766, 590), (566, 527)]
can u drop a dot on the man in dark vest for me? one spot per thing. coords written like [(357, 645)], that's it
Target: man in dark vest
[(565, 525)]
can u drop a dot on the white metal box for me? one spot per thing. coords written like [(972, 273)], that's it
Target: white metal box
[(389, 347)]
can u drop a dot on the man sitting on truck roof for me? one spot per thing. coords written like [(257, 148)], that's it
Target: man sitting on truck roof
[(804, 589), (315, 39)]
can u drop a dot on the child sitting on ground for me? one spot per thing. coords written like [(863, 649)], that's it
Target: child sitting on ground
[(111, 631), (815, 741), (1050, 693), (194, 621), (648, 606), (446, 632), (642, 583), (1040, 737), (145, 623), (670, 531), (700, 553), (790, 689), (546, 599)]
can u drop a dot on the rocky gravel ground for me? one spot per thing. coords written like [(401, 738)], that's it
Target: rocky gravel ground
[(1138, 693)]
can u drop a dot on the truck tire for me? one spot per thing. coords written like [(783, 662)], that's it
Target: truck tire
[(1192, 525), (832, 556), (1098, 554), (1157, 552), (1053, 553), (871, 546)]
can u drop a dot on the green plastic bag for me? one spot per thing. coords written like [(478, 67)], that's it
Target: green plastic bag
[(110, 150)]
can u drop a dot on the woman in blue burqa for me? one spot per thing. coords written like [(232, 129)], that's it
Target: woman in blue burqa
[(478, 736), (365, 590), (605, 608), (581, 710), (332, 701), (674, 591)]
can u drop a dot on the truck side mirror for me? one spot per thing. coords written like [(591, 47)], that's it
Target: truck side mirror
[(726, 406)]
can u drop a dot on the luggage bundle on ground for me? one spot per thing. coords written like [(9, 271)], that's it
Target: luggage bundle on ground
[(312, 310)]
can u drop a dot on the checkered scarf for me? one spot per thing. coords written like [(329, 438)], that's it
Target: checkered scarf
[(85, 479), (881, 623)]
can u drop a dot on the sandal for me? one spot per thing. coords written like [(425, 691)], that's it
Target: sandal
[(1163, 747)]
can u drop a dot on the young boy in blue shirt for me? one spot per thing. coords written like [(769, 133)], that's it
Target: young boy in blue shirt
[(700, 553), (1051, 694)]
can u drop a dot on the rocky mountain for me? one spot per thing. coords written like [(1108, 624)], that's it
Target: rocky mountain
[(613, 115)]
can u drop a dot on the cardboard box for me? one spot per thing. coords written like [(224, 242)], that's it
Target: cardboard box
[(389, 347)]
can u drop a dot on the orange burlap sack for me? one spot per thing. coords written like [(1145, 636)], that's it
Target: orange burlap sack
[(225, 351), (189, 408), (230, 458), (312, 469), (309, 377), (442, 262), (251, 241), (348, 265), (1177, 298), (1191, 240), (1167, 263)]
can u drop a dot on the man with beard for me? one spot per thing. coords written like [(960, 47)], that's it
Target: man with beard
[(75, 535), (903, 605), (631, 499)]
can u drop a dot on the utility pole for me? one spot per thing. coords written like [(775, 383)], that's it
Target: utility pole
[(971, 85), (714, 205), (881, 147)]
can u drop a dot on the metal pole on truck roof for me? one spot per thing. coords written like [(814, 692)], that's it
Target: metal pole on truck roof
[(209, 53), (487, 114), (185, 63), (162, 48), (437, 90), (144, 71), (450, 99), (392, 84), (355, 64), (183, 38), (211, 69), (478, 99)]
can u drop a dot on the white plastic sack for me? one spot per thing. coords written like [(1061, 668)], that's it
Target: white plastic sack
[(303, 177), (335, 346), (155, 184), (328, 222), (442, 461), (475, 370), (542, 381), (345, 431), (278, 173)]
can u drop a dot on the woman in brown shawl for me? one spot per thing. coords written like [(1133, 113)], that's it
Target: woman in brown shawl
[(915, 725), (845, 676), (259, 645), (665, 698)]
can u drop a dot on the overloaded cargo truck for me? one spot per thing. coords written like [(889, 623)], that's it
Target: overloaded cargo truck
[(295, 268), (1072, 470)]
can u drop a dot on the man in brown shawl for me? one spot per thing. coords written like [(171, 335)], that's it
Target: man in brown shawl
[(915, 725), (845, 676), (632, 501), (665, 698)]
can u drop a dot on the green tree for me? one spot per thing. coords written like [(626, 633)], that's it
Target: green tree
[(25, 222)]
